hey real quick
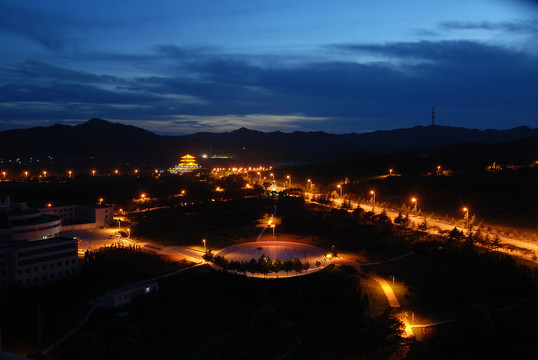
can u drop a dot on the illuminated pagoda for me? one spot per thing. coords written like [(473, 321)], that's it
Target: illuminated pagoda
[(187, 164)]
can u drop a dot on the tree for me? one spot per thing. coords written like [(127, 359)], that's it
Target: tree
[(297, 265), (208, 256), (455, 234), (90, 346), (496, 241)]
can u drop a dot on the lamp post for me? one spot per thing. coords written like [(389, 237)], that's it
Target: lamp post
[(69, 173), (44, 174), (4, 175), (128, 233), (93, 172), (100, 201), (466, 217), (373, 193), (203, 240), (390, 172), (340, 187), (273, 226), (289, 179), (415, 201)]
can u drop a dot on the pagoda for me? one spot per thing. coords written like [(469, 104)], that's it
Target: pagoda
[(187, 164)]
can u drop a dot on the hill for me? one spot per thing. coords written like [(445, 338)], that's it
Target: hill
[(103, 142)]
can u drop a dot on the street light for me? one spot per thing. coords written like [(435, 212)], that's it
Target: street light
[(373, 193), (93, 172), (340, 187), (44, 174), (466, 217), (100, 201), (390, 171), (4, 175), (414, 200), (273, 226), (128, 233), (116, 171), (203, 240), (143, 196), (289, 180), (69, 173)]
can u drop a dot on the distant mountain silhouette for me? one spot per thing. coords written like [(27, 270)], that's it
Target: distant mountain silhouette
[(321, 143), (114, 143)]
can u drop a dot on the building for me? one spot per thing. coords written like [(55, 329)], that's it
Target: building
[(20, 223), (127, 294), (31, 251), (187, 164), (89, 216)]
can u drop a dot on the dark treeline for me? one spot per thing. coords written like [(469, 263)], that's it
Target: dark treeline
[(324, 315)]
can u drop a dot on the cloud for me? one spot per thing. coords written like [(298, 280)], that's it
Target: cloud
[(198, 89), (530, 26)]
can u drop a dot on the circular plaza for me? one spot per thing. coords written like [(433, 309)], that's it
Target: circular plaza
[(281, 250)]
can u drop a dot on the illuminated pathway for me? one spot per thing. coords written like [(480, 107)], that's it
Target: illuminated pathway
[(385, 286)]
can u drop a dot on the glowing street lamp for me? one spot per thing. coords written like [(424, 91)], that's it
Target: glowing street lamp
[(93, 172), (415, 201), (390, 172), (26, 174), (466, 217), (136, 171), (203, 240), (116, 171), (69, 173), (373, 193), (273, 226), (340, 187), (128, 233), (44, 174), (289, 179), (49, 205), (101, 201), (4, 175)]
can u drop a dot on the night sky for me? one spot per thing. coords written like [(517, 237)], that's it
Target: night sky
[(179, 67)]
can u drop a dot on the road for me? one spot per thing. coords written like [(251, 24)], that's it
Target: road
[(438, 226)]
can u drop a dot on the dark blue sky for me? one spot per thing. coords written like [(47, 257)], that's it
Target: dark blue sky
[(179, 67)]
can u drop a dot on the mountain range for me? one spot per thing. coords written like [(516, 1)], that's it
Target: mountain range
[(101, 141)]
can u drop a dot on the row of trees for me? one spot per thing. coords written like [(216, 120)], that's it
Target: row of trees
[(263, 265)]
